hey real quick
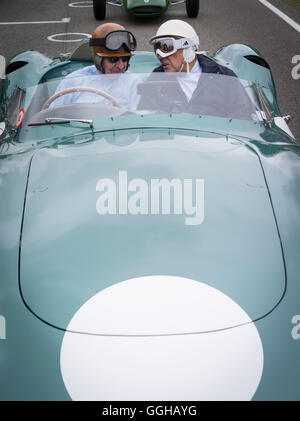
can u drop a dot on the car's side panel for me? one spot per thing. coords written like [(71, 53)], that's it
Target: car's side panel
[(251, 66), (29, 349)]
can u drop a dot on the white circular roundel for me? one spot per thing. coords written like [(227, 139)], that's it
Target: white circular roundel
[(65, 35), (129, 349)]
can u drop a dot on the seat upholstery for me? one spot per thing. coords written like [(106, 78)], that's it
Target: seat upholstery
[(82, 52)]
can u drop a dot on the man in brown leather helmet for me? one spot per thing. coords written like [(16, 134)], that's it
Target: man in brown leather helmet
[(112, 47)]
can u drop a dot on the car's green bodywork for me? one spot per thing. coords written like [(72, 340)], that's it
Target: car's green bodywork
[(142, 8), (54, 247), (145, 8)]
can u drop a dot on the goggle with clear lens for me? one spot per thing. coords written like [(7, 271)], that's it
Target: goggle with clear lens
[(115, 59), (168, 46), (115, 40)]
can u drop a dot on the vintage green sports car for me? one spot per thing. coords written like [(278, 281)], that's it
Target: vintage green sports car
[(145, 8), (148, 252)]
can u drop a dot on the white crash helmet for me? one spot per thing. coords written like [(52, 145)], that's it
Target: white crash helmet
[(176, 28), (179, 29)]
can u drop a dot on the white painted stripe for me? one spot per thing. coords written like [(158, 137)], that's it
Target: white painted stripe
[(81, 4), (64, 20), (278, 12)]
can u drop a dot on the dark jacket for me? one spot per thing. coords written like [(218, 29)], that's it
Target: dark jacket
[(214, 95), (207, 65)]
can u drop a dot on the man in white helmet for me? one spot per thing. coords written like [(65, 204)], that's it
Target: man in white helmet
[(194, 90), (176, 46)]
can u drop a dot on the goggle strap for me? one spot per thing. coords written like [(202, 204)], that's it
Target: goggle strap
[(97, 42)]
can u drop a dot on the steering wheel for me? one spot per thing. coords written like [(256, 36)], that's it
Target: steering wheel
[(80, 89)]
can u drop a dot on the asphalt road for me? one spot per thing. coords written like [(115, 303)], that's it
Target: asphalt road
[(27, 25)]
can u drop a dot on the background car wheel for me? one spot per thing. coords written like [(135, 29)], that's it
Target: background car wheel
[(99, 9), (192, 8)]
